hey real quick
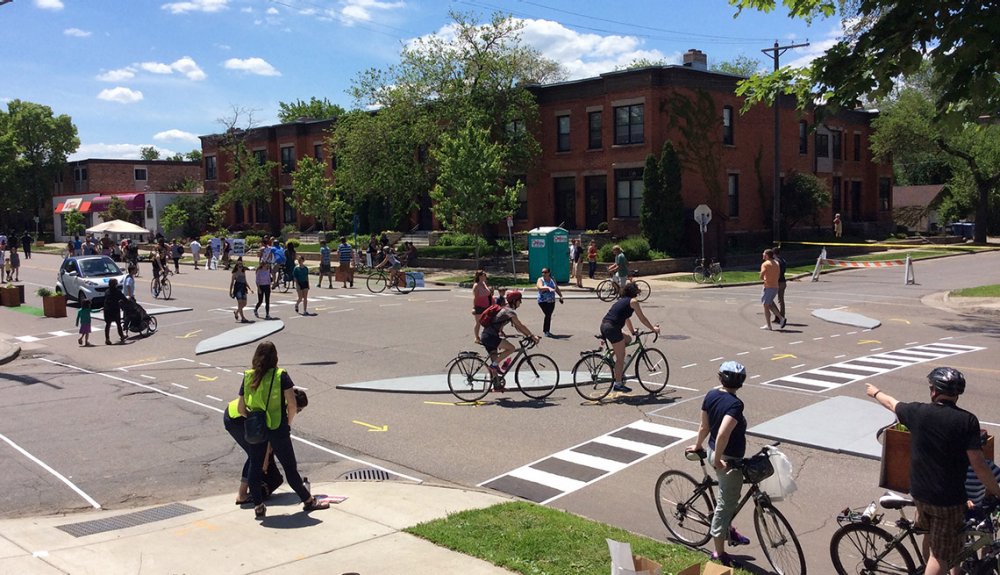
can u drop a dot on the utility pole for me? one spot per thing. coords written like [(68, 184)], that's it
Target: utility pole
[(775, 54)]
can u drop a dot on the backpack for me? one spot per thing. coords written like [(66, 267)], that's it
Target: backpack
[(489, 315)]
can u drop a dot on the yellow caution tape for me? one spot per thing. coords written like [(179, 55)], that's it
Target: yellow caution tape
[(898, 246)]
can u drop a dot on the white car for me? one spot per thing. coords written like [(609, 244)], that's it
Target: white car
[(87, 277)]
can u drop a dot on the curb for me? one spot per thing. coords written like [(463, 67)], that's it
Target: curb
[(9, 352)]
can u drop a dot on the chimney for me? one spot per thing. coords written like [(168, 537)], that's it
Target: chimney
[(696, 59)]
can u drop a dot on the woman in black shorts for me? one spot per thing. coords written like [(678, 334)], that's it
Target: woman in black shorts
[(617, 318)]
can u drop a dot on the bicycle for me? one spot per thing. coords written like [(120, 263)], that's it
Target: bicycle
[(710, 273), (470, 378), (379, 280), (282, 280), (609, 290), (860, 546), (686, 507), (160, 286), (594, 373)]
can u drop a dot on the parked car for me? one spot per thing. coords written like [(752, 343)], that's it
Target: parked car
[(87, 277)]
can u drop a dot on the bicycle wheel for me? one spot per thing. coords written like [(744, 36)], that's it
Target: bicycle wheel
[(154, 288), (699, 274), (283, 283), (715, 274), (652, 370), (151, 326), (644, 290), (469, 379), (406, 282), (855, 549), (684, 508), (593, 377), (377, 282), (606, 290), (780, 545), (165, 288), (537, 375)]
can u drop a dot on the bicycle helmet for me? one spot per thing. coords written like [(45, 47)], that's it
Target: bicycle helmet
[(512, 296), (947, 380), (732, 374)]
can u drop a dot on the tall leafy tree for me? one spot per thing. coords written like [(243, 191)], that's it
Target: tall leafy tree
[(315, 195), (74, 221), (251, 178), (149, 153), (802, 197), (173, 218), (741, 65), (117, 210), (673, 201), (652, 204), (314, 109)]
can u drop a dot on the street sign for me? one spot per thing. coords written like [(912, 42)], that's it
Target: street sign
[(703, 214), (510, 222)]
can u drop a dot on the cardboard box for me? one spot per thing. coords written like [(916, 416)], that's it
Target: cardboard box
[(623, 562), (709, 569), (894, 473)]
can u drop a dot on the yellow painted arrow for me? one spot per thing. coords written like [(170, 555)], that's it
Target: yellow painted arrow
[(371, 427), (188, 334), (778, 356), (906, 321), (864, 341), (205, 377), (439, 402)]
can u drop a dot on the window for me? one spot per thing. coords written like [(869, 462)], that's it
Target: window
[(515, 128), (260, 156), (734, 195), (140, 174), (287, 160), (262, 211), (727, 126), (838, 145), (628, 193), (288, 208), (238, 212), (80, 174), (594, 131), (562, 133), (884, 194), (628, 125), (209, 167), (822, 145), (857, 147), (803, 137), (318, 152)]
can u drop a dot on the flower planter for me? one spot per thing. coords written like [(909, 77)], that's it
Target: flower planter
[(10, 297), (54, 306), (20, 292)]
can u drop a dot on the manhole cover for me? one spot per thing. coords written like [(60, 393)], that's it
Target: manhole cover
[(127, 520), (366, 474)]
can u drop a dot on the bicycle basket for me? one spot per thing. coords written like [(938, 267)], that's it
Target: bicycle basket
[(757, 468)]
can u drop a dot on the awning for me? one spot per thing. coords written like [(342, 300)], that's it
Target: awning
[(132, 201), (69, 205), (84, 207)]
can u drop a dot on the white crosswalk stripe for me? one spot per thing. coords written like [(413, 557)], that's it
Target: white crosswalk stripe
[(572, 469), (821, 379)]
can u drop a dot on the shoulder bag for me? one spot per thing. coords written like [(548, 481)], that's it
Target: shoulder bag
[(255, 426)]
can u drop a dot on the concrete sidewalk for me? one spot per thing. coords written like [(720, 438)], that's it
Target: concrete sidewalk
[(362, 535)]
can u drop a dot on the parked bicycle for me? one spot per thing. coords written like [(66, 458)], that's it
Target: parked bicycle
[(609, 290), (686, 508), (710, 273), (862, 546), (594, 373), (379, 280), (160, 286), (470, 378)]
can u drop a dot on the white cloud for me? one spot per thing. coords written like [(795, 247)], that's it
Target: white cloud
[(114, 151), (186, 66), (804, 56), (208, 6), (361, 10), (76, 32), (120, 94), (272, 11), (175, 134), (257, 66), (126, 73), (49, 4), (156, 67)]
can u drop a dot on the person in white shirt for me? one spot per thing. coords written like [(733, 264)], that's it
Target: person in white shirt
[(128, 284), (195, 251)]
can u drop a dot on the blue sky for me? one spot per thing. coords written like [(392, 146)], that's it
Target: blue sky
[(135, 73)]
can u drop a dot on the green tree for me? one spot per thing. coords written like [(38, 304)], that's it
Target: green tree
[(697, 120), (741, 65), (117, 210), (198, 208), (314, 109), (74, 223), (469, 192), (173, 218), (643, 63), (652, 204), (315, 195), (149, 153), (193, 156), (802, 196), (673, 200), (252, 179)]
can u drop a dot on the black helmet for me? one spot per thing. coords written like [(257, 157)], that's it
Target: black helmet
[(947, 380), (732, 374)]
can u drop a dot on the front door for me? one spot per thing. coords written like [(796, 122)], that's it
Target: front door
[(596, 201), (564, 195)]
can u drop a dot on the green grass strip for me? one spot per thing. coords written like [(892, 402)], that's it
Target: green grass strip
[(535, 540), (981, 291), (30, 310)]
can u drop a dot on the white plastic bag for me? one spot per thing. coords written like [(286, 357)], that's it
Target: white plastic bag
[(782, 483)]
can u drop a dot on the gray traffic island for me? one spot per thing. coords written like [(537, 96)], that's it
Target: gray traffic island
[(846, 318), (163, 310), (9, 351), (239, 336)]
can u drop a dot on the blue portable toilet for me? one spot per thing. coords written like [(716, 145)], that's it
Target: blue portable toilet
[(548, 247)]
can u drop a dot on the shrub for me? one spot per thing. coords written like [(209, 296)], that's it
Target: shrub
[(635, 249), (294, 243), (205, 240), (289, 229), (465, 240), (251, 241), (43, 292), (602, 227)]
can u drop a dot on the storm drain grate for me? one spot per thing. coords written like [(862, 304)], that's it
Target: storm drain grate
[(367, 474), (127, 520)]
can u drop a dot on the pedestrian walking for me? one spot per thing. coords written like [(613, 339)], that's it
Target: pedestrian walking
[(26, 241), (263, 279), (128, 284), (782, 281), (573, 249), (300, 275), (176, 251), (227, 248), (113, 311), (268, 388), (838, 226), (325, 268), (482, 294), (577, 262), (373, 248), (238, 289), (548, 289), (769, 271), (195, 251), (592, 259), (290, 258), (15, 262), (210, 262), (83, 320), (345, 254)]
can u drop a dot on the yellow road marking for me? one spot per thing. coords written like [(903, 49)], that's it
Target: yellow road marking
[(778, 356), (866, 341), (188, 334), (371, 427), (205, 377), (906, 321)]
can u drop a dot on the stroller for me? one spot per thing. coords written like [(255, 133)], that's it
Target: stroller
[(136, 320)]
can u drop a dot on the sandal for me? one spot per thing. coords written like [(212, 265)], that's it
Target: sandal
[(313, 504), (244, 501), (260, 511)]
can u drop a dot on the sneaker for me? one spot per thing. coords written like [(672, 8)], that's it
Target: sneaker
[(724, 558), (784, 320), (765, 327), (296, 308), (622, 388), (549, 334), (737, 538)]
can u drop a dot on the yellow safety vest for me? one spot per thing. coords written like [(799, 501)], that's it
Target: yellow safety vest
[(256, 401), (234, 409)]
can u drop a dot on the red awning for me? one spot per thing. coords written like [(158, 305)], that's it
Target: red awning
[(59, 208), (132, 201), (84, 207), (69, 205)]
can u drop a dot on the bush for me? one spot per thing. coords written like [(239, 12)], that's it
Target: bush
[(289, 229), (294, 243), (468, 240), (439, 251), (251, 241), (635, 249), (602, 227), (44, 292), (331, 237)]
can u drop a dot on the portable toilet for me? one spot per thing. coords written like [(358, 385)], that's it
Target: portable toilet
[(548, 247)]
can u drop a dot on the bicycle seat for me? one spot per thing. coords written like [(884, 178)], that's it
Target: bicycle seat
[(893, 501)]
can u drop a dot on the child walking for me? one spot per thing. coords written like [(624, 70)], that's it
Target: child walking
[(83, 320)]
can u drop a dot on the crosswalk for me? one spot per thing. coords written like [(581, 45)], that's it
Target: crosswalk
[(42, 336), (843, 373), (572, 469), (321, 298)]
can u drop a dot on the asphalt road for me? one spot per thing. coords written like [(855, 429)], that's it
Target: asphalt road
[(141, 423)]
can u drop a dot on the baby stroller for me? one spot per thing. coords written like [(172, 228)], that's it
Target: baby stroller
[(136, 320)]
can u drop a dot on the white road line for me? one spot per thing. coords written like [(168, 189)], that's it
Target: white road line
[(340, 310), (689, 365), (835, 335), (213, 397), (388, 304), (876, 349), (147, 376), (743, 353), (682, 387), (559, 482), (817, 338), (840, 356), (58, 475), (754, 376), (158, 362), (435, 301), (911, 343), (204, 364), (946, 338), (851, 332), (795, 342), (717, 358), (762, 349), (798, 366), (179, 385)]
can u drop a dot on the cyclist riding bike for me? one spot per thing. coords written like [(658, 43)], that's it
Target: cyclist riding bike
[(618, 317), (492, 334), (393, 262)]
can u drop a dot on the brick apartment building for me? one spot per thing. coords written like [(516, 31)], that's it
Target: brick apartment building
[(146, 187), (595, 136)]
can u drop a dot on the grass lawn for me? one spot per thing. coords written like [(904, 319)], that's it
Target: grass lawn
[(506, 281), (531, 539), (30, 310), (981, 291)]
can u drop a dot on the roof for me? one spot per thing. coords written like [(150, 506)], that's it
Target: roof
[(916, 195)]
